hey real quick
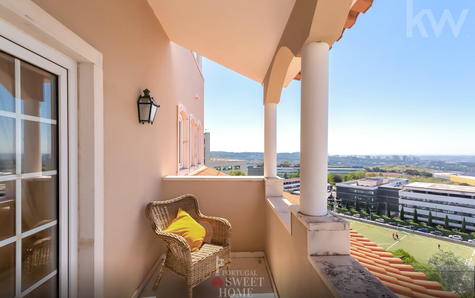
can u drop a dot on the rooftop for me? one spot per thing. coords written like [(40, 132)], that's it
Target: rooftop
[(444, 187), (205, 171), (292, 179), (371, 182), (293, 199), (400, 278)]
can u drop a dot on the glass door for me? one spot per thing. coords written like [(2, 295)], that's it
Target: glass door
[(33, 191)]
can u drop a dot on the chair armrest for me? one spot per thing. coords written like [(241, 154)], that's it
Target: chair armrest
[(177, 245), (221, 229)]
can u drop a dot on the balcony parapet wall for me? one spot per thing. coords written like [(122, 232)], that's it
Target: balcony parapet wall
[(327, 251), (240, 199)]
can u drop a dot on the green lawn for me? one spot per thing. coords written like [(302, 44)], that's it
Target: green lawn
[(420, 247)]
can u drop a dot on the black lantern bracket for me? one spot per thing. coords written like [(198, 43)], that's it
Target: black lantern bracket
[(147, 107)]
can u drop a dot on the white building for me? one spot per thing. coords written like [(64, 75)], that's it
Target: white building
[(455, 201), (292, 184), (227, 165), (283, 171), (445, 176), (221, 164)]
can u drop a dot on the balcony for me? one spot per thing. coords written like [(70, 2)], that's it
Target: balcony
[(272, 240), (113, 166), (288, 253)]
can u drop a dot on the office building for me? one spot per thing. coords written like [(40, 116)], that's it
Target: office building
[(454, 201), (372, 191), (292, 185)]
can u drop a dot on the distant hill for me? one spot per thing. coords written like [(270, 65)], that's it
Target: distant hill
[(249, 156), (454, 158), (255, 156), (437, 163)]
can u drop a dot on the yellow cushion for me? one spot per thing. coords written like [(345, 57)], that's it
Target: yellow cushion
[(185, 226)]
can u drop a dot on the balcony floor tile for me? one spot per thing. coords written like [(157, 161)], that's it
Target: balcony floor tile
[(242, 270)]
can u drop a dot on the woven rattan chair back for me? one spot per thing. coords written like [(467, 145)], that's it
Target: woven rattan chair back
[(163, 212)]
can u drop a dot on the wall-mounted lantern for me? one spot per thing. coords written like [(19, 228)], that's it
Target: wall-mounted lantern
[(148, 107)]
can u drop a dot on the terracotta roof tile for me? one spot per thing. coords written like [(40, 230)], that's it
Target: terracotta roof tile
[(358, 7), (294, 199), (400, 278), (205, 171)]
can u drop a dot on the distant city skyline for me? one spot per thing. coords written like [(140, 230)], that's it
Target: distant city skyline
[(396, 88), (362, 155)]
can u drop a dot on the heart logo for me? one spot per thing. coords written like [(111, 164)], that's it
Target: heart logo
[(217, 281)]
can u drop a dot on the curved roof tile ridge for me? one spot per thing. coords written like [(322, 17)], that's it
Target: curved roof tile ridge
[(400, 278)]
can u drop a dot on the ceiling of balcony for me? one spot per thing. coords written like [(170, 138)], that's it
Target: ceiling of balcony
[(241, 35)]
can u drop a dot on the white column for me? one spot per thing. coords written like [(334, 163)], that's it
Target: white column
[(270, 140), (314, 129)]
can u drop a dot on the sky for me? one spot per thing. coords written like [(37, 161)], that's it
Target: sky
[(402, 81)]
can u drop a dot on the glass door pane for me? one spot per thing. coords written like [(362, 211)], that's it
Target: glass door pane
[(7, 270), (7, 146), (29, 179), (39, 256), (7, 82), (48, 289), (39, 205), (39, 195), (38, 92), (39, 147), (7, 209)]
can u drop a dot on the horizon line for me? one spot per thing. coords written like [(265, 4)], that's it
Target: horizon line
[(349, 154)]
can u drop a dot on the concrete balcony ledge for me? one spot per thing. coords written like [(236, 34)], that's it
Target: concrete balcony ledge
[(213, 178), (329, 222), (274, 187), (345, 277), (327, 249), (281, 207), (327, 235)]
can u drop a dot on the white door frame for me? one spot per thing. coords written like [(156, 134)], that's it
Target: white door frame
[(28, 25), (62, 171)]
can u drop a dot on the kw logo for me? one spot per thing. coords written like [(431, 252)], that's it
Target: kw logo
[(414, 21)]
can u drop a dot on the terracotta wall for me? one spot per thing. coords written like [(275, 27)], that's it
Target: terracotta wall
[(137, 55), (286, 254), (239, 200)]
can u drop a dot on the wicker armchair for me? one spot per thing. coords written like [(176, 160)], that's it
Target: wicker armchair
[(195, 267)]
